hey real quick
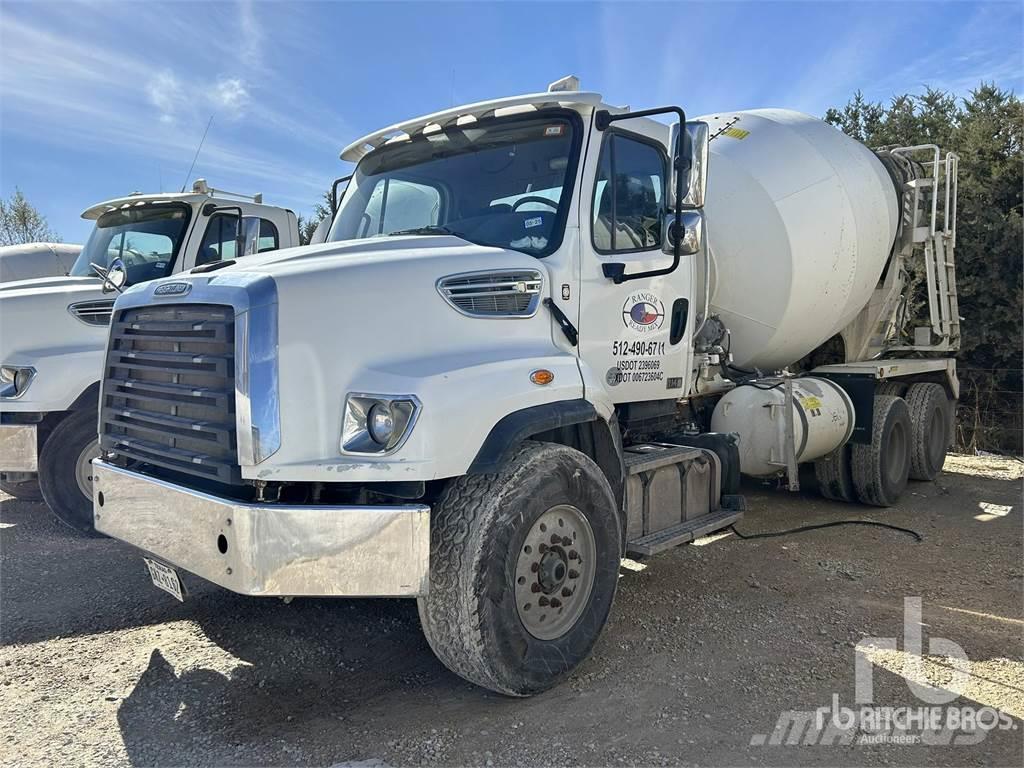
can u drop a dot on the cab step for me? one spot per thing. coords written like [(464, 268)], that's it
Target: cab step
[(683, 533)]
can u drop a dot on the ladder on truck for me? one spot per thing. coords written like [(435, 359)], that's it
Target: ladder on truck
[(927, 237), (935, 229)]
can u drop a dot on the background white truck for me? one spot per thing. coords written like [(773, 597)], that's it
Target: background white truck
[(544, 333), (53, 330), (31, 260)]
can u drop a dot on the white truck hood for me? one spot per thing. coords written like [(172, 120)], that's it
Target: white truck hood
[(37, 329), (367, 316)]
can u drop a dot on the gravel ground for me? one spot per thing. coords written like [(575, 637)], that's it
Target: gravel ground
[(707, 647)]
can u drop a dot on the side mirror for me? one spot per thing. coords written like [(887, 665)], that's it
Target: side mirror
[(320, 233), (117, 275), (693, 164), (114, 277), (691, 238)]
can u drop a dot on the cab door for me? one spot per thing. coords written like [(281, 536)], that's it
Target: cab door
[(633, 333)]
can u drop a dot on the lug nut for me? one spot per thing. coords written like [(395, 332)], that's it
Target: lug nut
[(555, 538), (542, 548), (566, 541), (535, 567), (556, 603), (566, 592), (543, 600), (535, 587), (574, 555), (574, 574)]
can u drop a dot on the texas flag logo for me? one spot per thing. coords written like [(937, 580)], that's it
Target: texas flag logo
[(643, 312)]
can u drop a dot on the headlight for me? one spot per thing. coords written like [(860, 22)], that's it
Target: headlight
[(377, 424), (381, 424), (14, 380)]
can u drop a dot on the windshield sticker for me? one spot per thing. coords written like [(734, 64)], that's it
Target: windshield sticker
[(554, 130), (536, 221), (643, 312)]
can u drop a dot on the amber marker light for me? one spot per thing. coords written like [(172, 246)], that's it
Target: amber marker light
[(542, 376)]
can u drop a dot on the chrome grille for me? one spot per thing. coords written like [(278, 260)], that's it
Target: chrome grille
[(513, 293), (95, 312), (169, 389)]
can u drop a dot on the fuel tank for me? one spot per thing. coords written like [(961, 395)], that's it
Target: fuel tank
[(800, 223)]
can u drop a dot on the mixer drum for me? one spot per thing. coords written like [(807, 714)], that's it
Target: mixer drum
[(800, 222)]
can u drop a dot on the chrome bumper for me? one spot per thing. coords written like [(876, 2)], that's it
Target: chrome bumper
[(265, 549), (18, 448)]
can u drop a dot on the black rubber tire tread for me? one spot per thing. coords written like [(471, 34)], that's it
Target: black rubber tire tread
[(835, 479), (868, 462), (57, 471), (894, 388), (477, 528), (25, 491), (927, 450)]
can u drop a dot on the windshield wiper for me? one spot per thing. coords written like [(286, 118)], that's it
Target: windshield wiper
[(430, 229)]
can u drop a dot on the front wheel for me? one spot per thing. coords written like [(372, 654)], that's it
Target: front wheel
[(65, 470), (523, 569)]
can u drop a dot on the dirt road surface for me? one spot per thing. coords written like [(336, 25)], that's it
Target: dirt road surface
[(707, 647)]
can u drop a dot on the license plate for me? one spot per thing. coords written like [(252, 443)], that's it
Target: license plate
[(166, 578)]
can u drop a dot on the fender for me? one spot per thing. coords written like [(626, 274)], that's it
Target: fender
[(519, 425)]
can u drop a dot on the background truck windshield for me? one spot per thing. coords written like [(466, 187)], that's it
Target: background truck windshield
[(147, 238), (504, 182)]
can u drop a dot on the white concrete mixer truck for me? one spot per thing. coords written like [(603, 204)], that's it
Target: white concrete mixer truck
[(544, 333), (53, 329)]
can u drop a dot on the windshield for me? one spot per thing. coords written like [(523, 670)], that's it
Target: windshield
[(146, 238), (505, 182)]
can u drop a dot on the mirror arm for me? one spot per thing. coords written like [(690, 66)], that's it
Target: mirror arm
[(103, 275), (616, 272), (334, 193)]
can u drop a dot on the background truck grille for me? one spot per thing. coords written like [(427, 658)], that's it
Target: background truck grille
[(169, 389), (493, 294)]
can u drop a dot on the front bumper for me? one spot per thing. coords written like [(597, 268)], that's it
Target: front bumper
[(268, 549), (18, 448)]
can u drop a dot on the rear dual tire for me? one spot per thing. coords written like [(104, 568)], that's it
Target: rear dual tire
[(523, 570), (931, 429), (880, 470)]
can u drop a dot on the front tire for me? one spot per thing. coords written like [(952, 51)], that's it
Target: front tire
[(523, 569), (65, 472)]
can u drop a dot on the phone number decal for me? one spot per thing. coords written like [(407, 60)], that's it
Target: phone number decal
[(638, 348)]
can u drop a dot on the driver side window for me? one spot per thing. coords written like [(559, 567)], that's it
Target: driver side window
[(628, 195)]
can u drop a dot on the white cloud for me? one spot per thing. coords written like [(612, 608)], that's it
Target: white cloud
[(231, 95), (166, 94)]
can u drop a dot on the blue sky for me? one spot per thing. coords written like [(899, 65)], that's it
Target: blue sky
[(102, 99)]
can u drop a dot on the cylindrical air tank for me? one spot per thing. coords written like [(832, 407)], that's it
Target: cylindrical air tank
[(823, 419), (800, 222)]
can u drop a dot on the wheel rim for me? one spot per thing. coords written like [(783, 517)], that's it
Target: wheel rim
[(555, 572), (83, 467), (897, 452)]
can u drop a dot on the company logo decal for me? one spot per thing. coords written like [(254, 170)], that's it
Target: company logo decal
[(643, 312), (172, 289)]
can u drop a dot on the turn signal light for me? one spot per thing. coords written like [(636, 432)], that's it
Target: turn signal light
[(542, 376)]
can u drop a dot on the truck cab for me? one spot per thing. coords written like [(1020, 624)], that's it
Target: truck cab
[(55, 328), (496, 378)]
